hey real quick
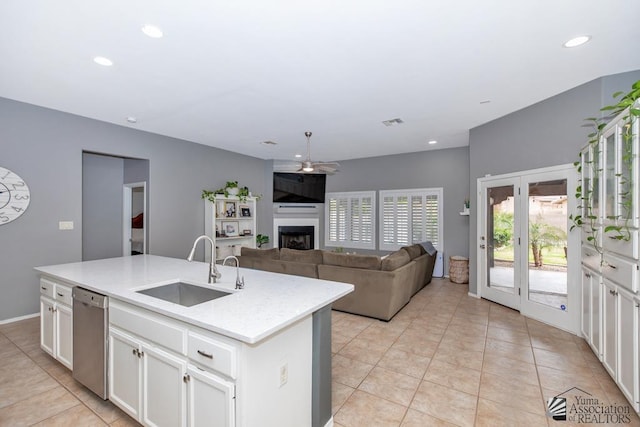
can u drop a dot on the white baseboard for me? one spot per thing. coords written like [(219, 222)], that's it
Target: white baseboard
[(16, 319), (473, 295), (329, 423)]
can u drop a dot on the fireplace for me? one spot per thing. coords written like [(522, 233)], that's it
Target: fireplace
[(296, 237), (296, 233)]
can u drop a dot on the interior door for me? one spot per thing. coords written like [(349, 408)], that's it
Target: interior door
[(498, 242), (529, 261)]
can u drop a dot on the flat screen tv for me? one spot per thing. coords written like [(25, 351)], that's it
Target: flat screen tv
[(298, 187)]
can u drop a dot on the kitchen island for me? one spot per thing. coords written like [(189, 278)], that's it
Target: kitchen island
[(246, 359)]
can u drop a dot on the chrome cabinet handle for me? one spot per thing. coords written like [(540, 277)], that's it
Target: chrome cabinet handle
[(613, 266), (588, 275), (202, 353), (60, 295)]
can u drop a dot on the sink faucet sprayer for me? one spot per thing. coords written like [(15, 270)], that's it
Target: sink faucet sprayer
[(239, 283), (214, 274)]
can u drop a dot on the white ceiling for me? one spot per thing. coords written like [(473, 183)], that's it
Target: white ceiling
[(233, 73)]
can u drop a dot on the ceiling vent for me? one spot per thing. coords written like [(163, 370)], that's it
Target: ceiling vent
[(396, 121), (269, 143)]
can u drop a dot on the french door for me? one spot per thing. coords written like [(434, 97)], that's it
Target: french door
[(528, 258)]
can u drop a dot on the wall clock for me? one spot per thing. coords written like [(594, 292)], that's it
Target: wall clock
[(14, 196)]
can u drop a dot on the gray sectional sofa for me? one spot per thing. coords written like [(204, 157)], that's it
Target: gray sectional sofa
[(383, 285)]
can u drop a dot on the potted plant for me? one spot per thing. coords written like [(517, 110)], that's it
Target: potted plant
[(262, 239), (231, 188)]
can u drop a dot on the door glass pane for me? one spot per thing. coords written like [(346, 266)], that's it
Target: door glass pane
[(610, 177), (500, 233), (547, 252)]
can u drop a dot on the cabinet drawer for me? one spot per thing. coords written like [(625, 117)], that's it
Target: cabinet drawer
[(149, 326), (590, 257), (47, 287), (621, 247), (620, 271), (213, 354), (63, 294)]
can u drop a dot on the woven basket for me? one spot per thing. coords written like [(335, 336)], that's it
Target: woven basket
[(459, 269)]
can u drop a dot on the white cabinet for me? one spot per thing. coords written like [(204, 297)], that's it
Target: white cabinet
[(210, 397), (146, 382), (610, 206), (56, 321), (231, 224), (163, 371), (591, 309), (620, 346), (153, 379)]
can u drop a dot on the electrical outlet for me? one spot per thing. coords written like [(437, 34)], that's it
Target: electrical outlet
[(284, 374)]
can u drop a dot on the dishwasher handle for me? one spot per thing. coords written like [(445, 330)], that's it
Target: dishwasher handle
[(89, 298)]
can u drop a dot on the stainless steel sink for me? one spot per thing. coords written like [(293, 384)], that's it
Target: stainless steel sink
[(184, 293)]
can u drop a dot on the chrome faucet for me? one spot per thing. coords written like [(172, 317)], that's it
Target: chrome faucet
[(214, 274), (239, 283)]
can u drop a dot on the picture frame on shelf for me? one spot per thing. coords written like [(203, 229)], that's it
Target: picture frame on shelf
[(220, 212), (230, 228), (245, 211), (246, 232), (230, 210)]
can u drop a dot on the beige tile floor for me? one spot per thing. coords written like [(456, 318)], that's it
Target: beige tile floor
[(449, 359), (446, 359)]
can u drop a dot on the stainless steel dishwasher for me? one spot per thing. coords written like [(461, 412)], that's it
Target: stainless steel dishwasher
[(90, 340)]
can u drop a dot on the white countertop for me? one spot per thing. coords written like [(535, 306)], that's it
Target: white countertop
[(268, 303)]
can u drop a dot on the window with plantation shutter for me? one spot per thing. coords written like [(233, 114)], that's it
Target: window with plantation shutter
[(410, 216), (350, 219)]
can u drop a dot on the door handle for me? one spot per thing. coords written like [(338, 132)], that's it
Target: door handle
[(482, 246)]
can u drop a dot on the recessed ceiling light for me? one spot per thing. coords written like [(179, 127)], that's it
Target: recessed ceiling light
[(152, 31), (298, 156), (577, 41), (132, 119), (433, 141), (101, 60), (269, 143)]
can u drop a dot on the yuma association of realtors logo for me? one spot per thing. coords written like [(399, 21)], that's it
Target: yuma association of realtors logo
[(587, 409)]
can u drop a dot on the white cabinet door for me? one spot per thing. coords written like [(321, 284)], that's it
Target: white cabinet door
[(124, 372), (585, 324), (211, 399), (164, 390), (609, 328), (596, 315), (627, 363), (47, 325), (64, 335)]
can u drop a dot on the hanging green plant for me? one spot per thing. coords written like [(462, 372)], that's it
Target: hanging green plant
[(586, 188)]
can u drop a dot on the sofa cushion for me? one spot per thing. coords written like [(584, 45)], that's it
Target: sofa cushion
[(395, 260), (413, 251), (260, 253), (310, 256), (370, 262)]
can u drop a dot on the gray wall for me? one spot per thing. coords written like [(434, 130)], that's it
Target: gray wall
[(545, 134), (448, 169), (102, 179), (45, 148)]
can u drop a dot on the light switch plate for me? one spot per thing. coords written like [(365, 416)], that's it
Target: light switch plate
[(65, 225)]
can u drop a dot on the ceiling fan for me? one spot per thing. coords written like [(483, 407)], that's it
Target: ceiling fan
[(316, 167)]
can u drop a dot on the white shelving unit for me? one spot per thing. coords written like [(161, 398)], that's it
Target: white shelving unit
[(611, 265), (231, 224)]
